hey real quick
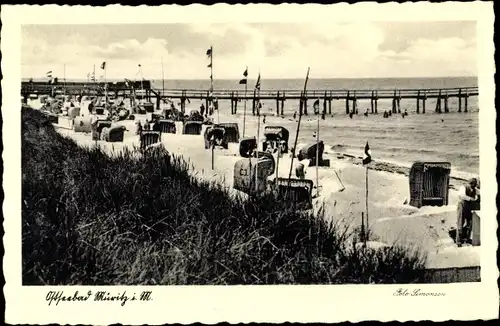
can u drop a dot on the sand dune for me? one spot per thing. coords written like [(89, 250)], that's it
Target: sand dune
[(390, 219)]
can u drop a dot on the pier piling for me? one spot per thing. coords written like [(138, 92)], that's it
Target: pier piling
[(460, 100), (399, 102), (394, 103), (446, 102), (347, 109), (330, 103), (466, 99), (423, 101), (438, 103), (305, 103), (418, 102), (372, 102), (355, 104), (283, 103), (278, 103)]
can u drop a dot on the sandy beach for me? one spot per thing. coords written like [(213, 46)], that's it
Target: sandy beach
[(391, 219)]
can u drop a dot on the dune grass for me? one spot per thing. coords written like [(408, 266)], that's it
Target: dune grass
[(89, 218)]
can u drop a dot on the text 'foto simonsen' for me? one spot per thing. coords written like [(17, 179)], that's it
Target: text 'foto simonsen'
[(58, 296)]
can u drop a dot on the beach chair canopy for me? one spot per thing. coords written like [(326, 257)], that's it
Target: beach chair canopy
[(310, 151), (192, 128), (232, 132), (429, 183), (217, 132), (245, 172), (194, 115), (165, 126), (247, 146), (276, 133), (298, 195)]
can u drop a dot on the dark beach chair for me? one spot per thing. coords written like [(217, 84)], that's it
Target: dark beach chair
[(312, 153), (165, 126), (192, 128), (232, 132), (149, 138), (245, 171), (97, 128), (115, 134), (247, 146), (298, 195), (429, 183), (276, 134)]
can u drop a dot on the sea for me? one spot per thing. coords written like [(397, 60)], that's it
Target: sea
[(452, 137)]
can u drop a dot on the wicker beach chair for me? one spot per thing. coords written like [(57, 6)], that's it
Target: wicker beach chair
[(247, 146), (116, 134), (192, 128), (97, 128), (310, 152), (232, 132), (276, 134), (298, 195), (149, 138), (429, 183), (245, 171), (165, 126)]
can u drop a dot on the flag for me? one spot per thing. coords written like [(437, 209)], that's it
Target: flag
[(49, 74), (209, 65), (244, 80), (367, 157), (103, 65), (209, 52), (139, 65), (257, 84)]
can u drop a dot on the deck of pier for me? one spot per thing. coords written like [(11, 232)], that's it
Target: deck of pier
[(326, 96)]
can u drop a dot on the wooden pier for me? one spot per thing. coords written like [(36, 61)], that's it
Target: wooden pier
[(350, 97)]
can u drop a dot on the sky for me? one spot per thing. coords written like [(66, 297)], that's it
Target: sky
[(277, 50)]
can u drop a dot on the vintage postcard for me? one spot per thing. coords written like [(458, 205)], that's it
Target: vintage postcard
[(249, 163)]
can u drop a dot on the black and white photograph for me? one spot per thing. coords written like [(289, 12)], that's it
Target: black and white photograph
[(158, 153)]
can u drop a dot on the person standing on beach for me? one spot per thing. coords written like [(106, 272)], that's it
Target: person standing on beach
[(467, 195)]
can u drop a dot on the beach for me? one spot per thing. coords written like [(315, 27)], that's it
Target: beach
[(391, 219)]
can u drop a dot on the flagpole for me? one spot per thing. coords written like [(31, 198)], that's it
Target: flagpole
[(64, 73), (317, 158), (245, 108), (105, 87), (366, 204), (162, 78), (258, 137), (296, 136)]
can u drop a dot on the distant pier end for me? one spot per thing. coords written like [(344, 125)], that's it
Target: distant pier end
[(350, 97)]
